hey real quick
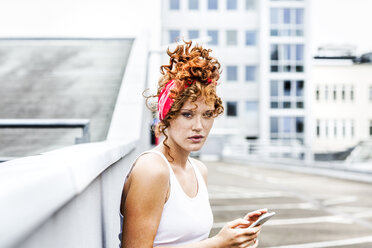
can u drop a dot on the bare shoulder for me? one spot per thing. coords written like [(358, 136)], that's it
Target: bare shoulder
[(202, 168), (150, 166)]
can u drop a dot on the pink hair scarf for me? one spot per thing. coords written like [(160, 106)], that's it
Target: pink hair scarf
[(164, 100)]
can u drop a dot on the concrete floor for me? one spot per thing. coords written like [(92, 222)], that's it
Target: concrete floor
[(312, 211)]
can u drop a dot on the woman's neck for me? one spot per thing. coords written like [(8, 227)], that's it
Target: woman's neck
[(175, 155)]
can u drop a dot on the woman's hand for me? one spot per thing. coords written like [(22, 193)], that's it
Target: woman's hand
[(232, 235), (253, 216)]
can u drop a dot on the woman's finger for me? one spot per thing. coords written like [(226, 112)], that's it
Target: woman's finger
[(237, 222)]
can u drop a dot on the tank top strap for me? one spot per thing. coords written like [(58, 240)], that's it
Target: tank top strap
[(171, 173), (198, 174)]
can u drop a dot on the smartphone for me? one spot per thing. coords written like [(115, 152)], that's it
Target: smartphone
[(262, 219)]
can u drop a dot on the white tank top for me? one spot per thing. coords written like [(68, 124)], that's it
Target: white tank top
[(184, 219)]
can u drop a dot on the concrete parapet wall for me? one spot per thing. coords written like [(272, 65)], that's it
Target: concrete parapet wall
[(70, 197)]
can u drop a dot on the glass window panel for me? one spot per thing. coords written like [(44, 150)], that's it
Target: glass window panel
[(300, 88), (274, 88), (300, 105), (370, 93), (274, 125), (193, 4), (287, 124), (274, 54), (370, 128), (299, 124), (250, 73), (299, 16), (299, 52), (287, 88), (274, 32), (250, 4), (193, 34), (299, 68), (232, 37), (287, 52), (251, 106), (286, 16), (174, 4), (212, 4), (174, 36), (274, 68), (274, 105), (214, 35), (231, 108), (232, 4), (250, 38), (274, 15), (286, 105), (232, 73), (287, 68)]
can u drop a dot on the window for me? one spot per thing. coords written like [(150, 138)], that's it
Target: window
[(193, 34), (370, 93), (174, 4), (250, 4), (287, 127), (250, 38), (286, 21), (343, 93), (326, 128), (250, 73), (232, 4), (214, 35), (370, 128), (335, 129), (344, 128), (317, 93), (318, 128), (231, 37), (334, 93), (174, 36), (232, 73), (212, 4), (326, 93), (251, 107), (287, 57), (299, 16), (274, 125), (232, 109), (352, 93), (193, 4), (287, 124), (299, 124), (352, 129), (299, 87), (287, 94)]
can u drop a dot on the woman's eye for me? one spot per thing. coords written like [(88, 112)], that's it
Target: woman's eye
[(208, 114), (187, 115)]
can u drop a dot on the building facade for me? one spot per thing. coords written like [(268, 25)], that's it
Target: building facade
[(262, 46), (342, 103)]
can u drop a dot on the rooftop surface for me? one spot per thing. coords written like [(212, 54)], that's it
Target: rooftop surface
[(58, 78)]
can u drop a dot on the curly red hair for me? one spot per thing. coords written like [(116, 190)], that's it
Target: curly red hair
[(195, 73)]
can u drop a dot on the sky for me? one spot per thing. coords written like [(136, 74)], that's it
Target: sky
[(332, 21), (342, 22)]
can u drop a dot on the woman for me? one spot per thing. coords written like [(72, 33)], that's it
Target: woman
[(165, 200)]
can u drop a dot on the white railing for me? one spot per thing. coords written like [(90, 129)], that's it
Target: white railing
[(70, 197), (267, 150)]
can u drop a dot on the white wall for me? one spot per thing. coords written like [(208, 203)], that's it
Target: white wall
[(358, 110)]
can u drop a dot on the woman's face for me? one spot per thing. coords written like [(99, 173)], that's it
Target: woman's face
[(190, 128)]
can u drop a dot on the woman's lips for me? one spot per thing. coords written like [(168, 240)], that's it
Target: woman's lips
[(196, 138)]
